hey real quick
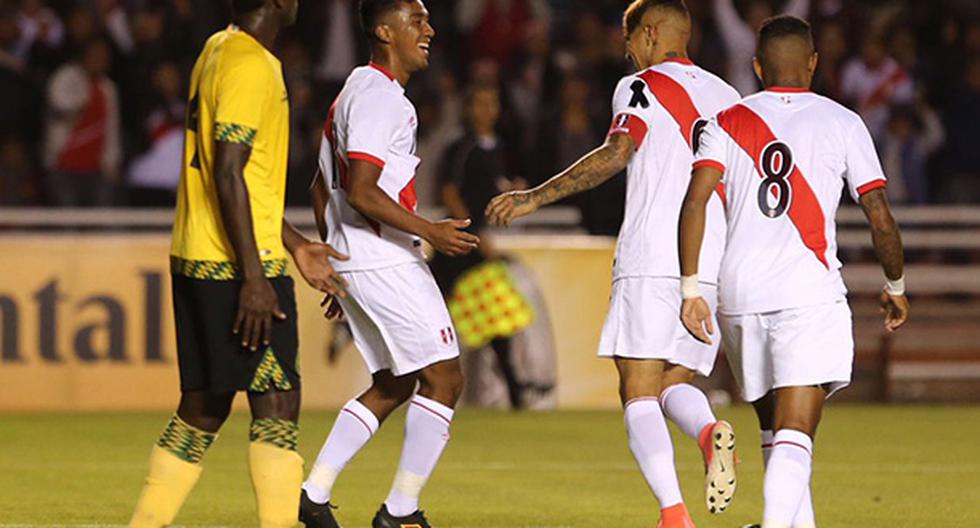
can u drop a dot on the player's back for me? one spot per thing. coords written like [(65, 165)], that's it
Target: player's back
[(237, 95), (671, 101), (786, 154), (370, 121)]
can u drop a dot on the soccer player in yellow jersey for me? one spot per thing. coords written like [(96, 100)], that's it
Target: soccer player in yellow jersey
[(234, 306)]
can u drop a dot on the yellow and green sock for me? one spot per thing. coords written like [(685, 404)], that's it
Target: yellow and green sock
[(276, 470), (174, 470)]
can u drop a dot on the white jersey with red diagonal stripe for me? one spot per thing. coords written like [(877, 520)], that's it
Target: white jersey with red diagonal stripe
[(786, 154), (372, 120), (664, 108)]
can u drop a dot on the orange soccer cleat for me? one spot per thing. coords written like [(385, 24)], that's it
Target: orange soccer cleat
[(675, 516), (717, 443)]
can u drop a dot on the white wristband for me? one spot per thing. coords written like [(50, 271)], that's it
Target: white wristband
[(690, 289), (895, 288)]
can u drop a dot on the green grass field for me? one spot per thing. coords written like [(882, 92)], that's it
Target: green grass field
[(875, 467)]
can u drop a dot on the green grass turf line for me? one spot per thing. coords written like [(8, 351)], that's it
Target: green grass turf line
[(875, 467)]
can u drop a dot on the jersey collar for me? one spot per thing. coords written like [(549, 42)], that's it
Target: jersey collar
[(382, 69), (784, 89), (680, 60)]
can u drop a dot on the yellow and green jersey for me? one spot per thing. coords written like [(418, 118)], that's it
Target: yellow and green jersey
[(237, 95)]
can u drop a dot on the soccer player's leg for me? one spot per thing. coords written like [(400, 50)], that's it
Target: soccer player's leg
[(427, 424), (649, 437), (765, 410), (688, 407), (797, 414), (271, 378), (175, 460), (355, 425), (275, 467)]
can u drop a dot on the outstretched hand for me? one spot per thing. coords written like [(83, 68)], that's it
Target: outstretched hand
[(450, 238), (313, 261), (696, 316), (505, 208)]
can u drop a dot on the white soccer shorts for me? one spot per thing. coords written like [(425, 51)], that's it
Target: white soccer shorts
[(644, 322), (399, 319), (799, 347)]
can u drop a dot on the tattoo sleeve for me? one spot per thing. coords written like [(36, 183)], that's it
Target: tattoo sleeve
[(885, 234), (590, 171)]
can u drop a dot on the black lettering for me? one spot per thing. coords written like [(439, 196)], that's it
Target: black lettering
[(9, 318), (47, 307), (776, 163), (153, 313), (114, 326)]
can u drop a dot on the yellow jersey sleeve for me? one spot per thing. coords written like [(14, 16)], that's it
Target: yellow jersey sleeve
[(244, 89)]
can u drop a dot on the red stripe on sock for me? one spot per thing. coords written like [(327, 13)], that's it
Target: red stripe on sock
[(359, 419), (766, 446), (787, 442), (433, 411)]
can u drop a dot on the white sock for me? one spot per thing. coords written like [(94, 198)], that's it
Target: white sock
[(804, 517), (426, 434), (688, 407), (787, 477), (650, 442), (355, 425)]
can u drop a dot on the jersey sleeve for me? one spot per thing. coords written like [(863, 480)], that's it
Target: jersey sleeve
[(863, 171), (711, 147), (241, 99), (629, 99), (372, 124)]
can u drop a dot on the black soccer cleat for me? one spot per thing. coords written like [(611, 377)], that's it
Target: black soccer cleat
[(383, 519), (314, 515)]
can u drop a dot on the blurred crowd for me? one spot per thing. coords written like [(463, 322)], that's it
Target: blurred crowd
[(92, 92)]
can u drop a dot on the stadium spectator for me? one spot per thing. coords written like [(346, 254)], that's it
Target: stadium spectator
[(495, 28), (913, 134), (873, 82), (82, 145), (154, 174), (572, 129), (38, 24), (439, 119), (739, 35), (962, 157)]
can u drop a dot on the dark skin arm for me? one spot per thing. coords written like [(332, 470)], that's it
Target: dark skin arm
[(334, 283), (257, 303), (695, 313), (887, 242), (587, 173), (364, 195)]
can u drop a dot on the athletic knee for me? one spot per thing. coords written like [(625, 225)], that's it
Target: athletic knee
[(394, 391), (803, 425), (205, 411), (635, 388), (443, 383), (275, 405)]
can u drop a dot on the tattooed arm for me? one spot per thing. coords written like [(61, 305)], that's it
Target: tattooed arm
[(595, 168), (887, 241)]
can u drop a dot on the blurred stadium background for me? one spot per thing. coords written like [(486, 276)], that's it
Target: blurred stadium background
[(85, 317)]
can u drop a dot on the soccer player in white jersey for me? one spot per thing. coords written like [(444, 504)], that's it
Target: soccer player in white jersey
[(658, 113), (366, 206), (784, 156)]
